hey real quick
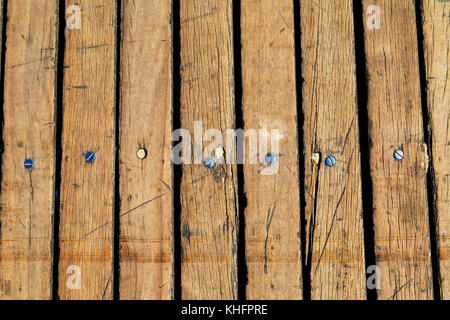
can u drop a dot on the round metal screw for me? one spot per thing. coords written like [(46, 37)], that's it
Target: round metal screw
[(270, 158), (398, 154), (209, 162), (29, 164), (141, 153), (90, 157), (330, 161)]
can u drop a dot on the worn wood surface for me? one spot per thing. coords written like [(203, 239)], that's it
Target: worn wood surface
[(87, 189), (146, 241), (436, 27), (208, 196), (27, 196), (272, 215), (402, 239), (333, 212), (143, 187)]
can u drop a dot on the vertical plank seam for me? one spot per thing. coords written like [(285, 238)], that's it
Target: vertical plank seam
[(176, 124), (116, 216), (172, 165), (61, 5), (430, 175), (364, 138), (2, 92), (242, 199), (305, 272)]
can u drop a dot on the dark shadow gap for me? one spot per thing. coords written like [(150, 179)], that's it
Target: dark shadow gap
[(176, 124), (59, 89), (365, 142), (242, 199), (306, 272), (427, 130), (4, 23), (117, 200)]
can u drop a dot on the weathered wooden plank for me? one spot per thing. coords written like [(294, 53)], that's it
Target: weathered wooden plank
[(269, 102), (333, 194), (87, 189), (146, 242), (27, 196), (208, 196), (402, 239), (436, 27)]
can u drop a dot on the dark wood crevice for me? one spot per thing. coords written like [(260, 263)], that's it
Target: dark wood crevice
[(428, 138)]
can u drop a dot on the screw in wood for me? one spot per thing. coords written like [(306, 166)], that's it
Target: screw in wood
[(398, 154), (90, 157), (29, 164), (141, 153), (209, 162), (270, 158), (330, 161)]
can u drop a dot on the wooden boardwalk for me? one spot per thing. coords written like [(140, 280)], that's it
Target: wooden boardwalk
[(342, 190)]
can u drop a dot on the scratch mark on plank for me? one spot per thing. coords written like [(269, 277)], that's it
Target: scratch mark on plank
[(293, 174), (106, 288), (331, 227), (20, 221), (346, 136), (28, 62), (125, 213), (92, 47), (137, 207), (213, 11), (168, 187), (30, 221), (399, 289), (268, 223)]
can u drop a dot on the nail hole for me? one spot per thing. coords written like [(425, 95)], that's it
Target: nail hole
[(141, 153)]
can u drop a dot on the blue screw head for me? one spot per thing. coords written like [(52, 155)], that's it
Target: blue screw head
[(209, 162), (90, 157), (398, 154), (270, 158), (330, 161), (29, 164)]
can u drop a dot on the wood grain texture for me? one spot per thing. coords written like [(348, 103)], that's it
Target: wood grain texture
[(208, 196), (87, 189), (436, 27), (402, 239), (333, 194), (27, 196), (146, 241), (272, 215)]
